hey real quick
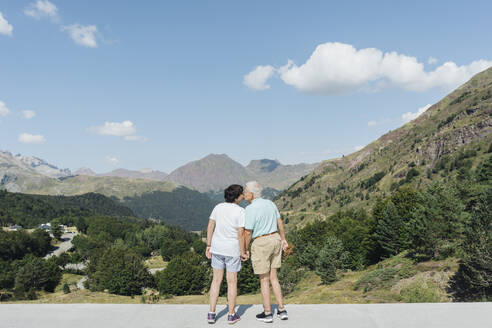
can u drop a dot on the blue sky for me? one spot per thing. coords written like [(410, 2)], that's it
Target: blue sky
[(159, 83)]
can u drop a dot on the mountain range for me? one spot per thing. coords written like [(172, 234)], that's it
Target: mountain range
[(185, 197), (213, 173)]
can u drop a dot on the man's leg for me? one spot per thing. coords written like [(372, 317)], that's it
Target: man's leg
[(231, 291), (215, 288), (277, 291), (265, 291)]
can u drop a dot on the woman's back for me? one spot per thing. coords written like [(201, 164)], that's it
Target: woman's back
[(228, 218)]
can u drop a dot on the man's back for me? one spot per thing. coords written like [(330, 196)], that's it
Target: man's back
[(261, 217)]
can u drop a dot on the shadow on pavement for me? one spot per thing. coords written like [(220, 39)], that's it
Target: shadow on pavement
[(240, 310)]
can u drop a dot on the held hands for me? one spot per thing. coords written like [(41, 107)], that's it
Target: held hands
[(208, 254), (245, 256), (285, 245)]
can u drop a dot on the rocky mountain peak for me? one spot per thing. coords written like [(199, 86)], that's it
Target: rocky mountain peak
[(264, 165)]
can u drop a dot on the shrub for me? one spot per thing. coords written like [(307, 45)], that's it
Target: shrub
[(387, 274), (308, 256), (332, 257), (171, 248), (184, 275), (372, 180), (420, 291), (247, 281), (119, 270), (31, 294), (66, 288), (289, 275)]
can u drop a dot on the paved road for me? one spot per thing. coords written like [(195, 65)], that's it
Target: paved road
[(444, 315), (64, 246), (80, 283)]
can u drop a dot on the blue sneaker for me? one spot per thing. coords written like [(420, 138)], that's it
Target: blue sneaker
[(233, 318), (211, 317)]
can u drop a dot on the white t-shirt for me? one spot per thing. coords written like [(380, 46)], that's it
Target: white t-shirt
[(228, 218)]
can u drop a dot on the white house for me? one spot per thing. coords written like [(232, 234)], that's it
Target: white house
[(15, 227)]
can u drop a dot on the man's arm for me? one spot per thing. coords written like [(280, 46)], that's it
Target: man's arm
[(281, 231), (247, 240), (210, 231)]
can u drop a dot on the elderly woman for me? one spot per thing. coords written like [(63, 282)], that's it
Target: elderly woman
[(225, 246)]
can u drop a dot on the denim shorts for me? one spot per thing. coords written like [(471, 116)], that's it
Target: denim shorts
[(230, 263)]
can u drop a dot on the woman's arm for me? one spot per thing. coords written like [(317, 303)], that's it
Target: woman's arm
[(210, 232), (240, 238)]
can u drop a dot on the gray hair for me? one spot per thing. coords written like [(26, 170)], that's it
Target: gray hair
[(255, 188)]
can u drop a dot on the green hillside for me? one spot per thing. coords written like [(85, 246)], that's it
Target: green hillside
[(108, 186), (183, 207), (31, 210), (452, 135)]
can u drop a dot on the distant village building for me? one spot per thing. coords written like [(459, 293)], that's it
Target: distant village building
[(45, 226), (15, 227)]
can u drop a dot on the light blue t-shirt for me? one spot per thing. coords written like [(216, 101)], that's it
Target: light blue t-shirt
[(261, 217)]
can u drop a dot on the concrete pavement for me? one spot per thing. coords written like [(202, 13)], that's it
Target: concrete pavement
[(436, 315)]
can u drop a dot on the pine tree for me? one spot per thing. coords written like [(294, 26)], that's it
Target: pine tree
[(388, 230), (66, 288), (473, 281), (332, 257)]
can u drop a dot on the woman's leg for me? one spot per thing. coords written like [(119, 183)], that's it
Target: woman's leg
[(215, 288), (231, 291)]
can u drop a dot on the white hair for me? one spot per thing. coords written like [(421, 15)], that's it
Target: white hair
[(255, 188)]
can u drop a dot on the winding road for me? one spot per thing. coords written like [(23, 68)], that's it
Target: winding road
[(63, 247)]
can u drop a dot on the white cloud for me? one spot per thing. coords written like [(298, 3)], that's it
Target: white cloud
[(432, 61), (111, 160), (31, 138), (372, 123), (257, 78), (82, 35), (125, 128), (4, 111), (42, 9), (357, 148), (5, 27), (28, 114), (335, 68), (407, 117)]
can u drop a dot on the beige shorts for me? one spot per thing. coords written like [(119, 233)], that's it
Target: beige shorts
[(266, 253)]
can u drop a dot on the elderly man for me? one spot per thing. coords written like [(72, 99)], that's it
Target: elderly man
[(264, 225)]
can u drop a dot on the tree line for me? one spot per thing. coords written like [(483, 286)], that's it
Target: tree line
[(451, 217)]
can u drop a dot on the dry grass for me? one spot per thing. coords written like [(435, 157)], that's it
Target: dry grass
[(68, 278), (155, 262), (308, 291)]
